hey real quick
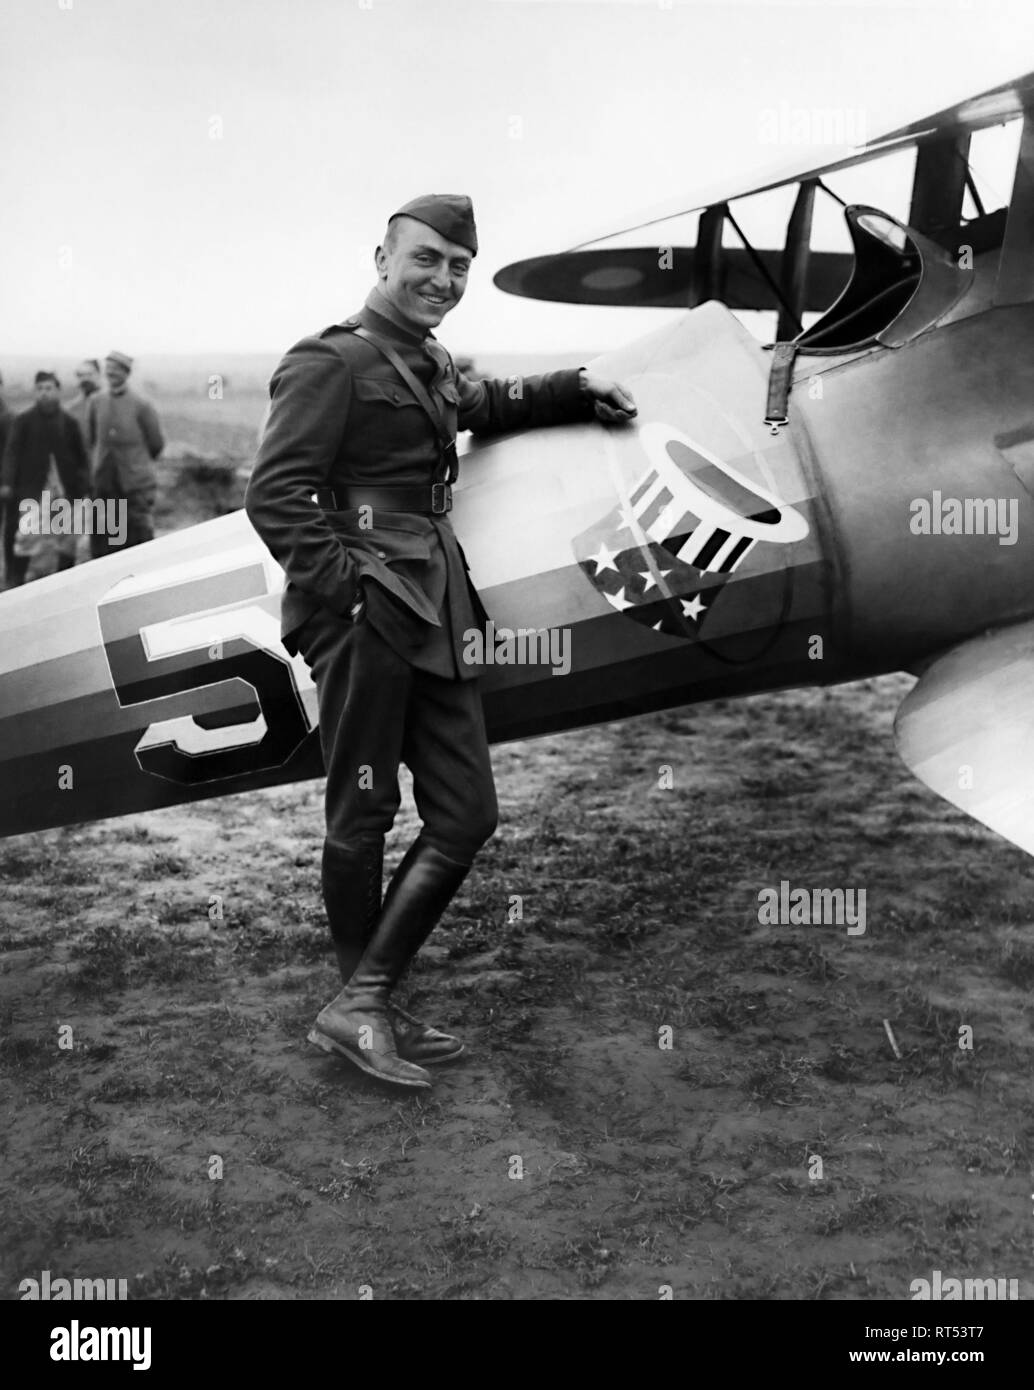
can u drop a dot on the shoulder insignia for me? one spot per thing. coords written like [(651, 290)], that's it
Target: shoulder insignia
[(347, 325)]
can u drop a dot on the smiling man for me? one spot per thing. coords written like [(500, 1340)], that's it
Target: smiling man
[(351, 491)]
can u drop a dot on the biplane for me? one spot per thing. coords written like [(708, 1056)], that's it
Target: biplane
[(847, 500)]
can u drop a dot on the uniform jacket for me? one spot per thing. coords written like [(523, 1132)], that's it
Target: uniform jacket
[(34, 436), (340, 413), (126, 438)]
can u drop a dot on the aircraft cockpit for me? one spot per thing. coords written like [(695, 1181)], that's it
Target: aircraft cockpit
[(901, 282)]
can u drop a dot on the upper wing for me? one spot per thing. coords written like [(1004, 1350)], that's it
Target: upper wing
[(997, 104), (987, 108), (966, 729)]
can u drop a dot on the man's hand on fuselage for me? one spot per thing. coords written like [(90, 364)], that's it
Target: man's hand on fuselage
[(614, 405)]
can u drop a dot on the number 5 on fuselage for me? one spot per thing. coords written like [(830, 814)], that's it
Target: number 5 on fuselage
[(203, 637)]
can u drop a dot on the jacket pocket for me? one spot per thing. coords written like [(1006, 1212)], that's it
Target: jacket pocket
[(378, 390), (396, 536)]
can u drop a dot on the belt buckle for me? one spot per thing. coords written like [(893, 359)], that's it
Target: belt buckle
[(441, 498)]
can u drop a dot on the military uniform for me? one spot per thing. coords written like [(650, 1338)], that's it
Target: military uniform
[(342, 415), (349, 492), (126, 437), (39, 440)]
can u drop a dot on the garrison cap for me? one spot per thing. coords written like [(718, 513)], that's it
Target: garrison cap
[(121, 359), (451, 214)]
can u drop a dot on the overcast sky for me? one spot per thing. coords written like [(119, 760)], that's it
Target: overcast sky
[(195, 175)]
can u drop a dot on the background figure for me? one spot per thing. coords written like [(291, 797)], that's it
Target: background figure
[(42, 438), (88, 379), (126, 438)]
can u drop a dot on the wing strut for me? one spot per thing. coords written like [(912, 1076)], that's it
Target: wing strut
[(941, 175), (796, 253), (707, 265), (761, 268)]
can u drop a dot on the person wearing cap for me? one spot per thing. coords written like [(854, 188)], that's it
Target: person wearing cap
[(350, 492), (42, 438), (125, 438)]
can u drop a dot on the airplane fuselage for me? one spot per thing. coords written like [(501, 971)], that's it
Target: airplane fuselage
[(693, 554)]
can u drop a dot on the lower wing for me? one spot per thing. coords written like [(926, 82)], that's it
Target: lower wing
[(967, 730)]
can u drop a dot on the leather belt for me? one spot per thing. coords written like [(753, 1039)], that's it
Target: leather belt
[(432, 498)]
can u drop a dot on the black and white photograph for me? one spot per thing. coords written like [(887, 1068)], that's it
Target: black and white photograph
[(517, 663)]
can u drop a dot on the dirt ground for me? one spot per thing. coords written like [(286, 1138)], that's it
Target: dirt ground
[(187, 1138)]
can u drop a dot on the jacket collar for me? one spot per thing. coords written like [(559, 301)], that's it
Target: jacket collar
[(389, 320)]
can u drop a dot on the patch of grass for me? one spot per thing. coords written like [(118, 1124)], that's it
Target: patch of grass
[(467, 1240), (591, 1260), (623, 930), (770, 786), (511, 1025), (470, 938), (843, 1064), (1015, 963), (122, 1089), (162, 865), (91, 1165), (999, 1155), (355, 1180), (728, 1009), (538, 1078), (779, 1079), (270, 948), (19, 864), (176, 1279), (24, 1054), (871, 1212), (802, 959), (113, 956)]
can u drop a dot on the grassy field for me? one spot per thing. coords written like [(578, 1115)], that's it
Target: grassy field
[(185, 1137)]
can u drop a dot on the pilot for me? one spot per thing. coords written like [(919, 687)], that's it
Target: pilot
[(350, 491)]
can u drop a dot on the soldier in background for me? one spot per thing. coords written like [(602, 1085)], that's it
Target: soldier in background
[(88, 378), (126, 439), (44, 451)]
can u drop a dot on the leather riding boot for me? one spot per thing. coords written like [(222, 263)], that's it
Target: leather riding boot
[(352, 878), (357, 1024), (415, 1040), (419, 1042)]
